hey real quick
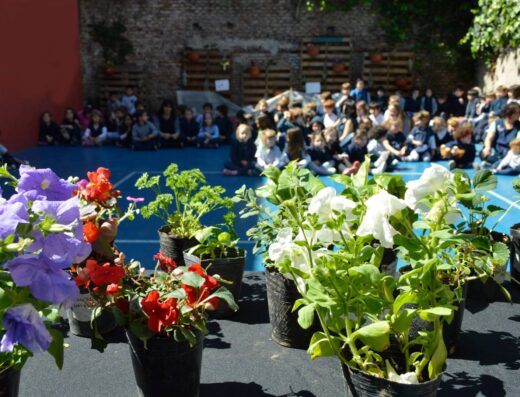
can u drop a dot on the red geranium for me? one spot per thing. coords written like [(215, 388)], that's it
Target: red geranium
[(210, 284), (107, 274), (113, 289), (123, 305), (98, 187), (90, 232), (160, 314), (165, 262)]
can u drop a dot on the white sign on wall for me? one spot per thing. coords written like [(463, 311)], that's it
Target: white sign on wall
[(313, 87), (221, 85)]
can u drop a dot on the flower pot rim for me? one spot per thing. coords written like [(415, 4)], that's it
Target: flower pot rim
[(242, 255), (167, 229), (415, 385)]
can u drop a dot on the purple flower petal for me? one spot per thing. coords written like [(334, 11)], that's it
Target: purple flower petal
[(24, 325), (45, 182), (10, 216), (135, 199)]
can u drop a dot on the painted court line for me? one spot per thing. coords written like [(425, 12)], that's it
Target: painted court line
[(505, 199), (123, 180)]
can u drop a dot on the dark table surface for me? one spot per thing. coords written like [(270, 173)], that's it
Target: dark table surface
[(240, 359)]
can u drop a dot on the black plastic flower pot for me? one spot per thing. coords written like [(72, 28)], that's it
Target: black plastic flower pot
[(173, 247), (361, 384), (281, 295), (230, 269), (389, 262), (515, 252), (166, 368), (9, 382), (79, 316)]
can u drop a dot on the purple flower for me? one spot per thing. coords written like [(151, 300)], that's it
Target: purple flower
[(24, 325), (45, 182), (11, 214), (135, 199), (45, 278), (62, 246)]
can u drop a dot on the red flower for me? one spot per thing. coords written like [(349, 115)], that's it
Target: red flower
[(90, 232), (98, 186), (107, 274), (160, 314), (83, 277), (113, 289), (210, 283), (123, 305), (165, 262)]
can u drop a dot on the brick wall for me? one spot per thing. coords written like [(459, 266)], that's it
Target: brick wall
[(244, 29)]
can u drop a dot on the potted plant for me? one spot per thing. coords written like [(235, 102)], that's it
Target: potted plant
[(101, 216), (218, 253), (338, 67), (181, 209), (254, 70), (115, 46), (376, 58), (41, 235), (193, 56), (164, 315)]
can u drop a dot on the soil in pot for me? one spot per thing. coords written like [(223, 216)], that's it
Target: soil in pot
[(173, 247), (166, 368), (230, 269), (281, 295), (361, 384), (9, 382)]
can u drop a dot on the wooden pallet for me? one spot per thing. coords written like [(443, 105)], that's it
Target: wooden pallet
[(124, 76), (274, 79), (395, 65), (319, 68), (201, 75)]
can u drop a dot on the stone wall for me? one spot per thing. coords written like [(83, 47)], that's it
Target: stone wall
[(506, 72), (244, 29)]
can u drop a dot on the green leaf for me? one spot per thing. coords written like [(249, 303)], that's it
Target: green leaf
[(226, 295), (500, 253), (369, 271), (434, 312), (306, 316), (439, 356), (56, 347), (375, 335), (484, 180), (5, 300), (192, 279), (403, 320), (407, 297), (321, 346)]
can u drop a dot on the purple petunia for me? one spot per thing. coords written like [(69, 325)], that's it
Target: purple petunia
[(63, 246), (45, 278), (45, 183), (24, 325), (11, 214)]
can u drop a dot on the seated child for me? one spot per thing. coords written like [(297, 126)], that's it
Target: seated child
[(125, 131), (129, 100), (376, 114), (71, 127), (320, 156), (189, 127), (510, 165), (242, 153), (268, 154), (224, 123), (395, 140), (333, 147), (441, 134), (145, 135), (377, 150), (295, 148), (420, 138), (9, 159), (49, 131), (356, 150), (96, 133), (209, 135), (461, 151)]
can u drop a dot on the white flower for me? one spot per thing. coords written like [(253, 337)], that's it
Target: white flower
[(375, 222), (409, 378), (282, 245), (436, 178), (326, 201)]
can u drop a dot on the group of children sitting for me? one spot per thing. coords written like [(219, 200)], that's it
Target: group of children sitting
[(127, 123), (331, 136), (335, 135)]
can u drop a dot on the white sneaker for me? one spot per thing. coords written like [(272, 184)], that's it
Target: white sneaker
[(451, 164), (382, 159)]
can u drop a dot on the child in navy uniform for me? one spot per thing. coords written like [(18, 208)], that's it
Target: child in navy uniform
[(421, 138), (461, 150), (49, 131), (510, 165), (96, 133), (268, 154), (395, 140), (320, 156), (242, 153), (189, 127), (145, 135), (209, 135)]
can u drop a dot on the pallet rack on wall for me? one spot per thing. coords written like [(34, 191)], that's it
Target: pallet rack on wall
[(274, 78), (391, 70), (211, 65), (320, 58), (122, 77)]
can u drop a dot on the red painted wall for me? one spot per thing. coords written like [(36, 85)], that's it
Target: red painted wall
[(39, 66)]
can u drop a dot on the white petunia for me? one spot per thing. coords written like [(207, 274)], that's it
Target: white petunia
[(281, 246), (375, 221), (343, 204), (327, 201), (436, 178)]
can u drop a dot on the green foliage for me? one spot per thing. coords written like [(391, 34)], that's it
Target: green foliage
[(190, 199), (495, 28), (116, 47)]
